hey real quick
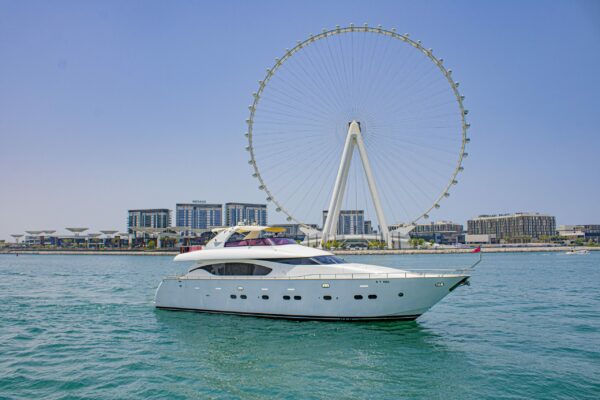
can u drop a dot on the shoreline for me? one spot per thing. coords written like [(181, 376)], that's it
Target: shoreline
[(540, 249)]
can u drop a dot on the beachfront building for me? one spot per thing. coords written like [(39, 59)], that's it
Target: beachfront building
[(442, 232), (148, 218), (198, 215), (519, 227), (585, 233), (247, 213), (350, 222)]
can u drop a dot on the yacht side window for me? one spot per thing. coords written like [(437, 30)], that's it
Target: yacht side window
[(237, 269), (318, 260)]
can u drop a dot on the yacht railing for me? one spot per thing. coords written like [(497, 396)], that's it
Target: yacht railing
[(429, 273)]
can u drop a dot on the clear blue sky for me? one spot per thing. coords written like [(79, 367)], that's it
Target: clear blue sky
[(111, 105)]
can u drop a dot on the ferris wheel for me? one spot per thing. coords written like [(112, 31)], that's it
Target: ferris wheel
[(358, 90)]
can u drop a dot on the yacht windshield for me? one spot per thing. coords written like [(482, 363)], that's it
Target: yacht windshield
[(272, 241)]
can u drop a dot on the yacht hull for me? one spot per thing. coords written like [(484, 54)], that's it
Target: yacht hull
[(308, 299)]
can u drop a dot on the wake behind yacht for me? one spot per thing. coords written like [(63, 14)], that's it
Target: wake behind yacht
[(278, 278)]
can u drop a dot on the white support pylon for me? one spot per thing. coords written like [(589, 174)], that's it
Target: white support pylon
[(354, 138)]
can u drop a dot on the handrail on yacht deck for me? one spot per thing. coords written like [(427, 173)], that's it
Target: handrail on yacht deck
[(406, 274)]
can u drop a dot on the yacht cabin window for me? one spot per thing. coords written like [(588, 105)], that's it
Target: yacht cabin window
[(238, 269), (318, 260)]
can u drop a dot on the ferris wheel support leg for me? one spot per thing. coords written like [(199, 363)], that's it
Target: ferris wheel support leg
[(339, 187), (373, 189), (340, 198)]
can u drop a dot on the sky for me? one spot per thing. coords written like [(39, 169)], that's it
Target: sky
[(107, 106)]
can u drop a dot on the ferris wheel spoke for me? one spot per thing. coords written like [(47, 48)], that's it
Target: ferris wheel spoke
[(393, 164), (303, 183)]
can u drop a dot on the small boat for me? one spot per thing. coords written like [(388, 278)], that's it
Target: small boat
[(575, 252), (244, 271)]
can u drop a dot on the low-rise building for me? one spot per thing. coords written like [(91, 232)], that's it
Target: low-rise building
[(442, 232), (582, 232), (480, 239)]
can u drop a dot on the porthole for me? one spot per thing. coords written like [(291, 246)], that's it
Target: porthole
[(265, 297), (358, 297), (326, 297), (325, 285), (286, 297), (233, 296), (297, 297), (400, 294), (372, 296), (439, 284), (243, 296)]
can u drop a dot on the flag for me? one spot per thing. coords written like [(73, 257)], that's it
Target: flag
[(477, 250)]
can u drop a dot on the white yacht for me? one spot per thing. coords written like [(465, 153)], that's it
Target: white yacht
[(573, 251), (278, 278)]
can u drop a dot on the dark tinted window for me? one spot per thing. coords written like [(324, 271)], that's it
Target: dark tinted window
[(400, 294), (233, 296), (372, 296), (358, 297), (308, 260), (286, 297), (265, 297), (326, 297), (243, 296), (236, 269), (275, 241), (297, 297), (329, 260)]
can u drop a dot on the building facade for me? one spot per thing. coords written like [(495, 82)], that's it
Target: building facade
[(513, 227), (247, 213), (148, 218), (350, 222), (583, 232), (442, 232), (368, 227), (198, 215)]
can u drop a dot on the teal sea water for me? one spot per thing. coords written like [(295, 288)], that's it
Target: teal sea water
[(85, 327)]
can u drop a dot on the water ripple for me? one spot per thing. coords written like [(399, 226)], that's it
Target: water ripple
[(85, 327)]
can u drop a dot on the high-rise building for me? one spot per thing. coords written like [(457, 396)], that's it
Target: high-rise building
[(350, 222), (148, 218), (442, 232), (247, 213), (368, 227), (519, 226), (198, 215)]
